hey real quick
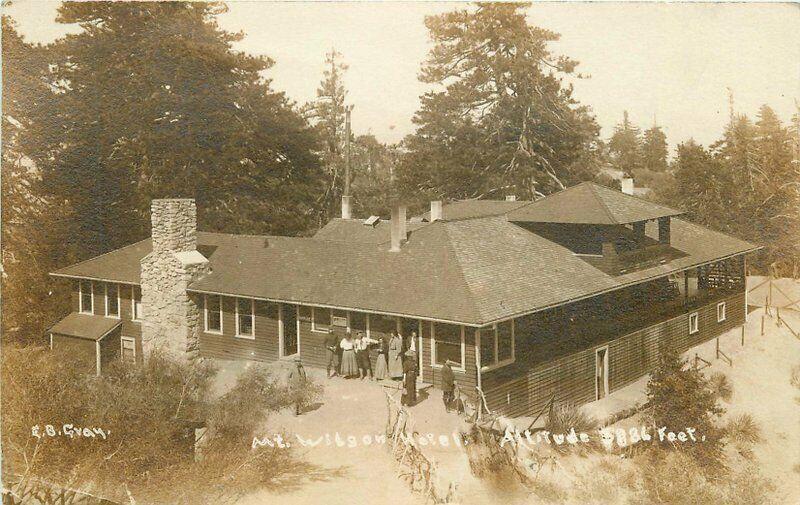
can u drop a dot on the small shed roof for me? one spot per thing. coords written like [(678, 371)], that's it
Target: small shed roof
[(86, 326)]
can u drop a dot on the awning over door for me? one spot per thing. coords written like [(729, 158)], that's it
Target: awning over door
[(86, 326)]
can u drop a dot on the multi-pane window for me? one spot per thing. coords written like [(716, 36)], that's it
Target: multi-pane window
[(721, 306), (497, 344), (112, 300), (136, 303), (694, 323), (320, 319), (213, 314), (447, 344), (128, 352), (86, 297), (245, 317)]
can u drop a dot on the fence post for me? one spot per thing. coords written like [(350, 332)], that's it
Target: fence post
[(717, 347), (742, 335), (762, 324)]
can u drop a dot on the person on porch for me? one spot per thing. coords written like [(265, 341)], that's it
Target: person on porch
[(362, 345), (410, 378), (332, 353), (381, 368), (448, 384), (349, 363), (395, 356)]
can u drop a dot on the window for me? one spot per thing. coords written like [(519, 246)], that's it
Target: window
[(497, 344), (213, 314), (128, 351), (694, 323), (86, 297), (721, 312), (447, 344), (112, 300), (245, 317), (136, 303), (320, 319)]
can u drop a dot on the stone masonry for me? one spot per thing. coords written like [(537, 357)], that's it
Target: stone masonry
[(171, 319)]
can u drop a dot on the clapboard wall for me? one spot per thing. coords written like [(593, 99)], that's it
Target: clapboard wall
[(572, 377), (264, 347)]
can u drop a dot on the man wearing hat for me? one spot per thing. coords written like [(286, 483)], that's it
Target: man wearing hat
[(410, 378), (332, 353), (295, 380)]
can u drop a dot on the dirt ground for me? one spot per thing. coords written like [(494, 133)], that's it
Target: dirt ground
[(338, 474)]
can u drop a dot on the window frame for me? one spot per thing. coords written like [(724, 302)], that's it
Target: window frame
[(136, 315), (122, 341), (694, 328), (81, 308), (238, 333), (724, 307), (463, 366), (314, 327), (496, 336), (206, 329), (118, 315)]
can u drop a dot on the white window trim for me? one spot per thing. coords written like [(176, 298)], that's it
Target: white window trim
[(81, 308), (119, 302), (133, 306), (253, 315), (313, 320), (205, 315), (508, 361), (724, 307), (696, 328), (463, 365), (121, 347)]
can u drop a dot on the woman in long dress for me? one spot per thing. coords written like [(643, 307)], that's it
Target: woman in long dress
[(395, 357), (381, 370), (349, 363), (410, 378)]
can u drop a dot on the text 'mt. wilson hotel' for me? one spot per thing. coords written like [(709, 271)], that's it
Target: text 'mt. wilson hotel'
[(574, 294)]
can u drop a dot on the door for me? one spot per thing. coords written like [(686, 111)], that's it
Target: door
[(289, 337), (601, 372), (405, 327)]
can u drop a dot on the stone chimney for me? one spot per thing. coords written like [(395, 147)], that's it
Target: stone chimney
[(398, 227), (171, 316), (627, 185), (346, 207), (436, 210)]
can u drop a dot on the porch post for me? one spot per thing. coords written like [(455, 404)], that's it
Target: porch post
[(479, 396)]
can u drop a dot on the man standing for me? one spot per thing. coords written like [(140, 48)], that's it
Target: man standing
[(448, 385), (296, 380), (332, 353)]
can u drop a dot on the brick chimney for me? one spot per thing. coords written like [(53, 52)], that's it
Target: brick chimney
[(436, 210), (171, 317), (398, 227), (627, 185)]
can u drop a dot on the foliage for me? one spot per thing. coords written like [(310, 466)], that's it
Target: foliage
[(505, 121), (794, 378), (743, 430), (149, 413), (721, 386), (567, 416), (625, 147), (679, 397), (654, 149)]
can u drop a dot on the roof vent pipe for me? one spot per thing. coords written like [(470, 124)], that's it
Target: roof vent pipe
[(436, 210), (627, 185), (346, 208), (398, 227)]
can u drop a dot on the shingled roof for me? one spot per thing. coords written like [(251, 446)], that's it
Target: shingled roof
[(471, 271), (590, 203)]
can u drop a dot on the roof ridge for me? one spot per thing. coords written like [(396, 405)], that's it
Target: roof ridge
[(639, 198), (599, 199)]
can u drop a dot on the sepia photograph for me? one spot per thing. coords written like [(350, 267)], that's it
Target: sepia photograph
[(400, 253)]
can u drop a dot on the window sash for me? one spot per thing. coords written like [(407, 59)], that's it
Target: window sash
[(496, 356), (112, 300), (245, 321), (436, 360), (694, 323), (721, 312), (128, 344), (210, 312), (315, 324), (82, 293), (136, 303)]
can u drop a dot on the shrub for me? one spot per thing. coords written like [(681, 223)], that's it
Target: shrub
[(566, 416), (795, 376), (743, 430), (721, 386)]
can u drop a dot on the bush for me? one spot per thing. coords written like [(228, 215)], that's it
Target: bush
[(721, 386), (795, 376), (566, 416), (743, 430)]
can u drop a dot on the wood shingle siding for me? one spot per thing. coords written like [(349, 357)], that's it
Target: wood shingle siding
[(264, 347), (572, 377)]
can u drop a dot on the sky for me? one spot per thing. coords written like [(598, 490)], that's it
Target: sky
[(668, 64)]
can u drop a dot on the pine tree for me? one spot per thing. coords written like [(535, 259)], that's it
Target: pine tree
[(504, 122), (625, 147), (654, 150)]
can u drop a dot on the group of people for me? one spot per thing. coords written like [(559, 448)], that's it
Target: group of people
[(349, 357)]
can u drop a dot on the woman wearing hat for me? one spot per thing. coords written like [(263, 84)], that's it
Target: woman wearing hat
[(349, 363), (395, 356), (381, 369), (410, 378)]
